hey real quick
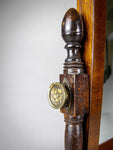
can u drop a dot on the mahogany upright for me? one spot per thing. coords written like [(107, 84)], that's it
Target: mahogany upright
[(93, 13), (78, 82)]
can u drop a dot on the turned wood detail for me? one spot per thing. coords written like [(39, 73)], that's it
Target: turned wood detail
[(77, 80), (71, 95), (72, 33), (74, 133)]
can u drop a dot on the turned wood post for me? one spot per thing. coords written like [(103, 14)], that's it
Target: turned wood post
[(71, 95), (78, 106)]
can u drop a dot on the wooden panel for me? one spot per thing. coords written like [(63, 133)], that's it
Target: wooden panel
[(94, 15), (107, 145)]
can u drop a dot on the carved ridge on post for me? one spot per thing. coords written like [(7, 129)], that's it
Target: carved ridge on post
[(73, 120)]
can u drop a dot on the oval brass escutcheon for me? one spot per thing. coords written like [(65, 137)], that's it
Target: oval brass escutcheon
[(58, 95)]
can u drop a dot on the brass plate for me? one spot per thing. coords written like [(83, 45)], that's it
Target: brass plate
[(57, 95)]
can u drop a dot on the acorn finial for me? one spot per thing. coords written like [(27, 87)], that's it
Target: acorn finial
[(72, 33), (72, 27)]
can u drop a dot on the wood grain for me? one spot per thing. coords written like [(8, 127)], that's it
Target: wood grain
[(74, 133), (93, 13), (74, 118), (108, 145)]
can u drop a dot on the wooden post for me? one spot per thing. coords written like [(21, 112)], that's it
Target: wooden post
[(71, 95), (93, 13), (77, 81)]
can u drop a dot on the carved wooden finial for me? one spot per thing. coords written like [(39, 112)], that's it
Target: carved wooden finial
[(72, 33)]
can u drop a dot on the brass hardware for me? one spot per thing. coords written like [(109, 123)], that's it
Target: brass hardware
[(58, 95)]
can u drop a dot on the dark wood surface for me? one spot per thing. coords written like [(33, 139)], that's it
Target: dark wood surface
[(74, 118), (108, 145), (93, 13), (77, 81), (74, 134)]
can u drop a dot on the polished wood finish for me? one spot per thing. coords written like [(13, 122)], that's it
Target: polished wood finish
[(72, 33), (79, 85), (77, 81), (93, 13), (74, 118), (108, 145), (74, 134)]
